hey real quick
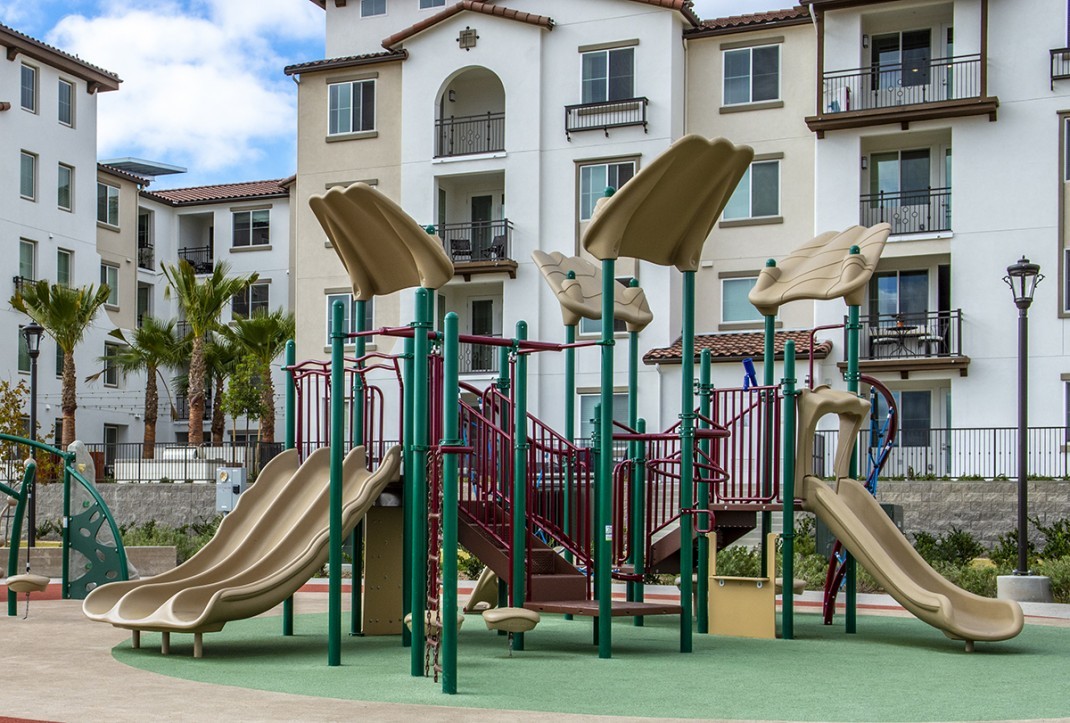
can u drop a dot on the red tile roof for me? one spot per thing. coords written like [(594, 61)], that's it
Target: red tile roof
[(472, 6), (735, 346), (683, 6), (96, 77), (220, 192), (797, 15), (385, 56)]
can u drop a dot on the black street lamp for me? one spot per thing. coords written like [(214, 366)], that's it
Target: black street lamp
[(32, 333), (1023, 278)]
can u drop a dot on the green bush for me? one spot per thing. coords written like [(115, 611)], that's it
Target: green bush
[(187, 539), (1056, 538), (1059, 572), (957, 547), (739, 561), (1005, 553)]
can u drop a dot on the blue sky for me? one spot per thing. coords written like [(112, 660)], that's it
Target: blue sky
[(203, 85)]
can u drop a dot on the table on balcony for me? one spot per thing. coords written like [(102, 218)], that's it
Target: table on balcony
[(901, 341)]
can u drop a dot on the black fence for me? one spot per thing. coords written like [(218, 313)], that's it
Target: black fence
[(1060, 65), (470, 134), (891, 85), (905, 335), (125, 462), (478, 241), (199, 257), (606, 115), (922, 211)]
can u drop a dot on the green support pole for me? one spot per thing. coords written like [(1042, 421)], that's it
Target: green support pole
[(450, 414), (705, 388), (356, 549), (15, 538), (520, 480), (768, 370), (407, 495), (503, 484), (66, 535), (787, 628), (290, 442), (603, 529), (420, 551), (687, 457), (639, 535), (634, 522), (853, 327), (570, 427), (334, 560)]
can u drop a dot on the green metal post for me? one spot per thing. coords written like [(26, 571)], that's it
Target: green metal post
[(603, 529), (66, 535), (768, 373), (570, 427), (705, 389), (356, 549), (853, 327), (420, 549), (503, 384), (639, 535), (634, 523), (787, 628), (687, 457), (334, 560), (290, 442), (520, 480), (15, 538), (407, 494), (450, 414)]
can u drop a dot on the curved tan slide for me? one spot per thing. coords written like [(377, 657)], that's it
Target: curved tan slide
[(264, 551), (857, 520)]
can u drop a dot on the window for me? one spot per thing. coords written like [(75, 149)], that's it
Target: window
[(372, 7), (66, 103), (758, 193), (144, 303), (27, 259), (145, 255), (594, 326), (735, 306), (28, 176), (894, 293), (63, 267), (59, 362), (587, 404), (348, 322), (29, 88), (24, 353), (253, 299), (901, 59), (425, 4), (110, 275), (111, 369), (108, 204), (608, 75), (351, 107), (915, 416), (752, 75), (594, 180), (65, 188), (252, 228)]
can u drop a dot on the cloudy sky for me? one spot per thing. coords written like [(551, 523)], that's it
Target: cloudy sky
[(202, 79)]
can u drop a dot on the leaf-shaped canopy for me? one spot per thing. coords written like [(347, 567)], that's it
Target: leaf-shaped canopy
[(582, 296)]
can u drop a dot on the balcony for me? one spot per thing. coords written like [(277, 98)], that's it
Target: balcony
[(905, 342), (20, 281), (146, 256), (181, 408), (483, 247), (903, 93), (605, 115), (199, 257), (908, 212), (478, 360), (469, 135), (1060, 65)]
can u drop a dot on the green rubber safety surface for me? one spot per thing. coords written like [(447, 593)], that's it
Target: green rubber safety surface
[(894, 669)]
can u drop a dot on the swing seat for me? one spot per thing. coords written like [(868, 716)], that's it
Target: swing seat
[(433, 626), (27, 583), (511, 620), (798, 586)]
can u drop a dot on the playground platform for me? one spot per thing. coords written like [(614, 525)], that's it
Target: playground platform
[(60, 668)]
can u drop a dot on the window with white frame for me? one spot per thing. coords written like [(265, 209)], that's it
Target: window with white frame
[(108, 204), (64, 264), (252, 228), (350, 317), (27, 260), (110, 275), (372, 7), (425, 4), (28, 175), (587, 404), (758, 193), (608, 75), (252, 299), (735, 306), (752, 75), (28, 86), (24, 352), (595, 178), (111, 369), (594, 326), (65, 187), (66, 102), (351, 107)]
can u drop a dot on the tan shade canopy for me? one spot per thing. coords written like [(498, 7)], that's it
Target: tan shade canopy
[(665, 212), (823, 269), (382, 248), (581, 297)]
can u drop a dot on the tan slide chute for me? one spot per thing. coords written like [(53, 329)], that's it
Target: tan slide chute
[(581, 297)]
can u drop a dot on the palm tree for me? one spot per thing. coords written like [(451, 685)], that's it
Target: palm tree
[(65, 313), (202, 302), (220, 358), (151, 348), (263, 336)]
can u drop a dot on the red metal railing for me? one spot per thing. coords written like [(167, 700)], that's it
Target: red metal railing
[(750, 454)]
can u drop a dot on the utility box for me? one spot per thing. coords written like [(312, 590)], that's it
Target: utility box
[(229, 484), (825, 538)]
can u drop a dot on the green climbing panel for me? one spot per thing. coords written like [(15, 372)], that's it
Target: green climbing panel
[(98, 560)]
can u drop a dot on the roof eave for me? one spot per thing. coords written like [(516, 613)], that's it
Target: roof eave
[(393, 56), (754, 27), (96, 79)]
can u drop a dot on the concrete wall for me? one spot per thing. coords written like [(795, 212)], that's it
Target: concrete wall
[(171, 505)]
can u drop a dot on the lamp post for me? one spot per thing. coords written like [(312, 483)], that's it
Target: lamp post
[(32, 333)]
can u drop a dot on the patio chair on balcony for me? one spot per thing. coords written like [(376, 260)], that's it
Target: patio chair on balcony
[(496, 250), (461, 250)]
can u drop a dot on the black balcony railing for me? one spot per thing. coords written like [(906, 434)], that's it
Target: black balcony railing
[(478, 359), (125, 462), (146, 257), (20, 281), (181, 407), (928, 334), (477, 242), (199, 257), (890, 85), (921, 211), (605, 115), (1060, 65), (469, 134)]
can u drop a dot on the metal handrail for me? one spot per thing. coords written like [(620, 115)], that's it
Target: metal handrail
[(470, 134), (882, 86), (604, 115), (1060, 65), (922, 211)]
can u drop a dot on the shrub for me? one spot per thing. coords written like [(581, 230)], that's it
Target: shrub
[(1056, 538), (1005, 553), (739, 561), (1059, 572), (957, 547), (187, 539)]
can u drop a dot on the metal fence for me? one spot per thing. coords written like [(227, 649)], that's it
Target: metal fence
[(922, 211), (924, 334), (478, 241), (199, 257), (125, 462), (891, 85), (605, 115), (470, 134), (1060, 65)]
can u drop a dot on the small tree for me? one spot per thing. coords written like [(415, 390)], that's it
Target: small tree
[(14, 421), (242, 397)]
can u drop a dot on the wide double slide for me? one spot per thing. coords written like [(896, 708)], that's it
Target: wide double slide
[(271, 544)]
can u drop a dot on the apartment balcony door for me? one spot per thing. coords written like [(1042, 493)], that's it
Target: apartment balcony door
[(902, 68), (482, 216), (484, 319), (901, 192)]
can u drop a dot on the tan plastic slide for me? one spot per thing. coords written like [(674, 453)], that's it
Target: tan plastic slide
[(857, 520), (271, 544)]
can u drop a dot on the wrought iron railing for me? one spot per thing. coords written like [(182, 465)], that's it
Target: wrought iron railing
[(146, 256), (469, 134), (477, 242), (890, 85), (478, 359), (126, 462), (1060, 65), (199, 257), (605, 115), (20, 281), (922, 211), (922, 335)]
